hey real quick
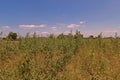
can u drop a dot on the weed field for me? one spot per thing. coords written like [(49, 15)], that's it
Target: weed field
[(60, 58)]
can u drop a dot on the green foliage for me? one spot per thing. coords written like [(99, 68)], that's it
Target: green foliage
[(12, 36), (78, 34), (65, 57)]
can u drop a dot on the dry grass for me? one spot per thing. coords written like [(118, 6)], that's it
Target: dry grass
[(60, 59)]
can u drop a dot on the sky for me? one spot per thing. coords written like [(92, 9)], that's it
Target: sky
[(91, 17)]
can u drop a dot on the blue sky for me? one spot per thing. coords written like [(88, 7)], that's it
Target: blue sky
[(55, 16)]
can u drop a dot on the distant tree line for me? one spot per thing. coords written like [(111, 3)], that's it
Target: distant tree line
[(10, 36), (14, 36)]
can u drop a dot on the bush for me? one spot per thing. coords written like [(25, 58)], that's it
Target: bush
[(12, 36)]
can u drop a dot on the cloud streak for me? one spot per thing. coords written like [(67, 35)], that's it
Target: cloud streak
[(54, 28), (72, 25), (111, 31), (76, 25), (32, 26), (82, 22), (5, 27)]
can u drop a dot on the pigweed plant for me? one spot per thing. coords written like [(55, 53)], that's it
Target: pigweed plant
[(62, 57)]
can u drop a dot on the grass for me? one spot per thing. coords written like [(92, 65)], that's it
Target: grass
[(60, 58)]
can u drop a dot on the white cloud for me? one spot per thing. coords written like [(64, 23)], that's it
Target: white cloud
[(5, 27), (27, 26), (72, 25), (45, 32), (111, 31), (54, 28), (32, 26), (82, 22), (41, 26), (66, 32)]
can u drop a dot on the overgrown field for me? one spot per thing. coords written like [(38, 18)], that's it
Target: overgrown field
[(60, 58)]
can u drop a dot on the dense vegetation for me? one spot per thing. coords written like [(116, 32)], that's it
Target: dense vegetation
[(65, 57)]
